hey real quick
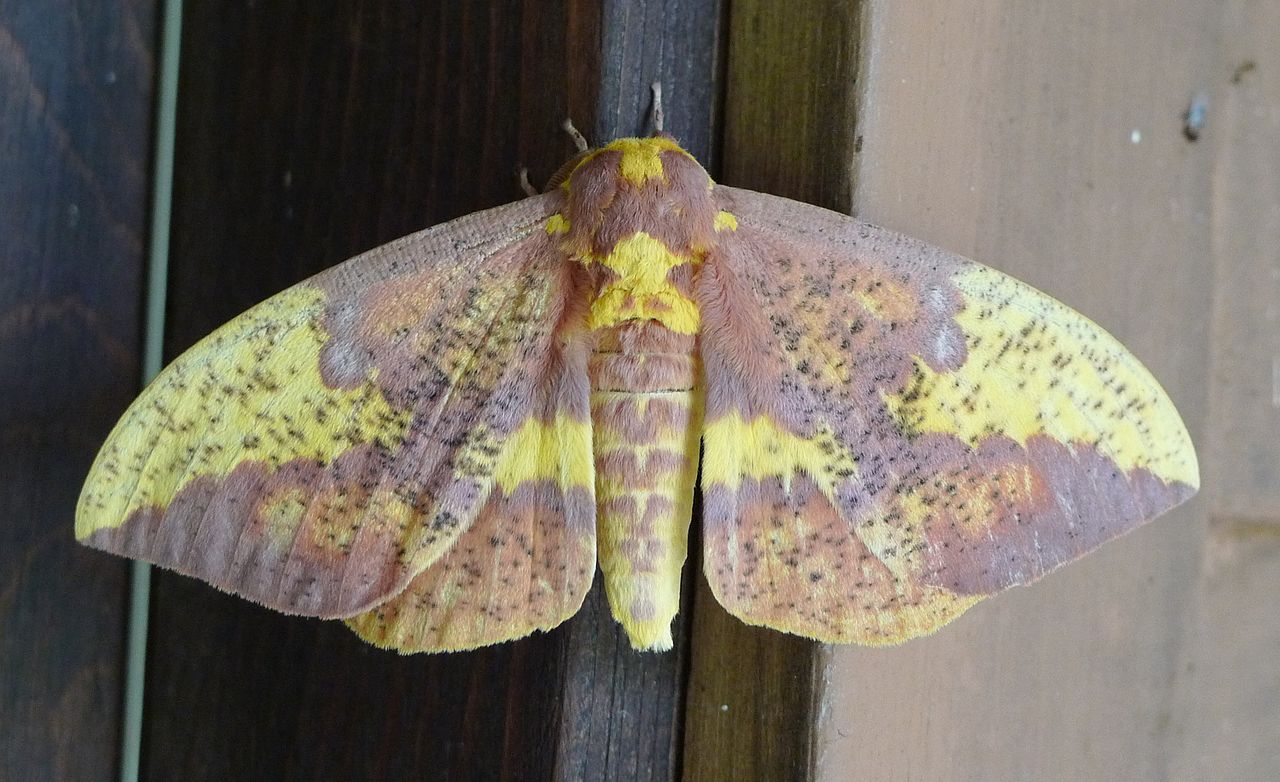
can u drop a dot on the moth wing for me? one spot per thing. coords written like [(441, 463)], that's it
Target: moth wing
[(894, 432), (528, 560), (323, 448)]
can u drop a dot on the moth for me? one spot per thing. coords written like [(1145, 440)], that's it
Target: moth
[(438, 440)]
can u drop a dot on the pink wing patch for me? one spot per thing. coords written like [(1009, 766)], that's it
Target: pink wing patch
[(525, 564), (528, 560)]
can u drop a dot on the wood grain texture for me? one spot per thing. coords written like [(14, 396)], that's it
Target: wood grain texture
[(75, 122), (788, 130), (677, 42), (1243, 471), (1225, 716), (1048, 141), (623, 711), (306, 134), (790, 127)]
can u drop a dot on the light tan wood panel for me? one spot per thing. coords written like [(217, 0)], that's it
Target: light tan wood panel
[(1046, 139), (1244, 108), (1226, 690)]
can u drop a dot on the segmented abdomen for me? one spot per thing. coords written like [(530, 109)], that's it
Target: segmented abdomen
[(647, 422)]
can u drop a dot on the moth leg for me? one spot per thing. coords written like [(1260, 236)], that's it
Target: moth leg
[(658, 116), (579, 140), (525, 184)]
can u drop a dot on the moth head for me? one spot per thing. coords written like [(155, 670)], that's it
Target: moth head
[(631, 185)]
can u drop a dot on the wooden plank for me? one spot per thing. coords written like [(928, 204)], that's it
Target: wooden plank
[(677, 42), (75, 120), (306, 134), (1244, 106), (623, 709), (1046, 139), (1225, 723), (789, 104), (788, 130)]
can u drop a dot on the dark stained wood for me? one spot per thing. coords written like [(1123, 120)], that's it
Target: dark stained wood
[(677, 42), (790, 124), (307, 133), (788, 130), (75, 124)]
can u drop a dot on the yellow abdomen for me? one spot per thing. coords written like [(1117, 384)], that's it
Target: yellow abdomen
[(647, 418)]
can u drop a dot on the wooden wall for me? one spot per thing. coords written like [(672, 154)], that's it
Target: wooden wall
[(1049, 139), (1046, 139), (75, 136)]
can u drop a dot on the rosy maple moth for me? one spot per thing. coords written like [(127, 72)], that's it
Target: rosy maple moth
[(438, 440)]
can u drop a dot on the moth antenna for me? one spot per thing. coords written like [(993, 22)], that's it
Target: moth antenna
[(579, 140), (658, 117), (525, 185)]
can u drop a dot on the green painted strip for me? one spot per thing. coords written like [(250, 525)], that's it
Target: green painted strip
[(152, 361)]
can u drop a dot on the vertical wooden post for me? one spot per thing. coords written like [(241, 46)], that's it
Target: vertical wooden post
[(789, 129), (623, 711)]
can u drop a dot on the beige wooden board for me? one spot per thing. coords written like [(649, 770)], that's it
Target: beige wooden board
[(1243, 471), (1225, 707), (1225, 720), (1047, 139)]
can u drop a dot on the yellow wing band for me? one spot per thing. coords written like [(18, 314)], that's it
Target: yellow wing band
[(1036, 367), (262, 401)]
